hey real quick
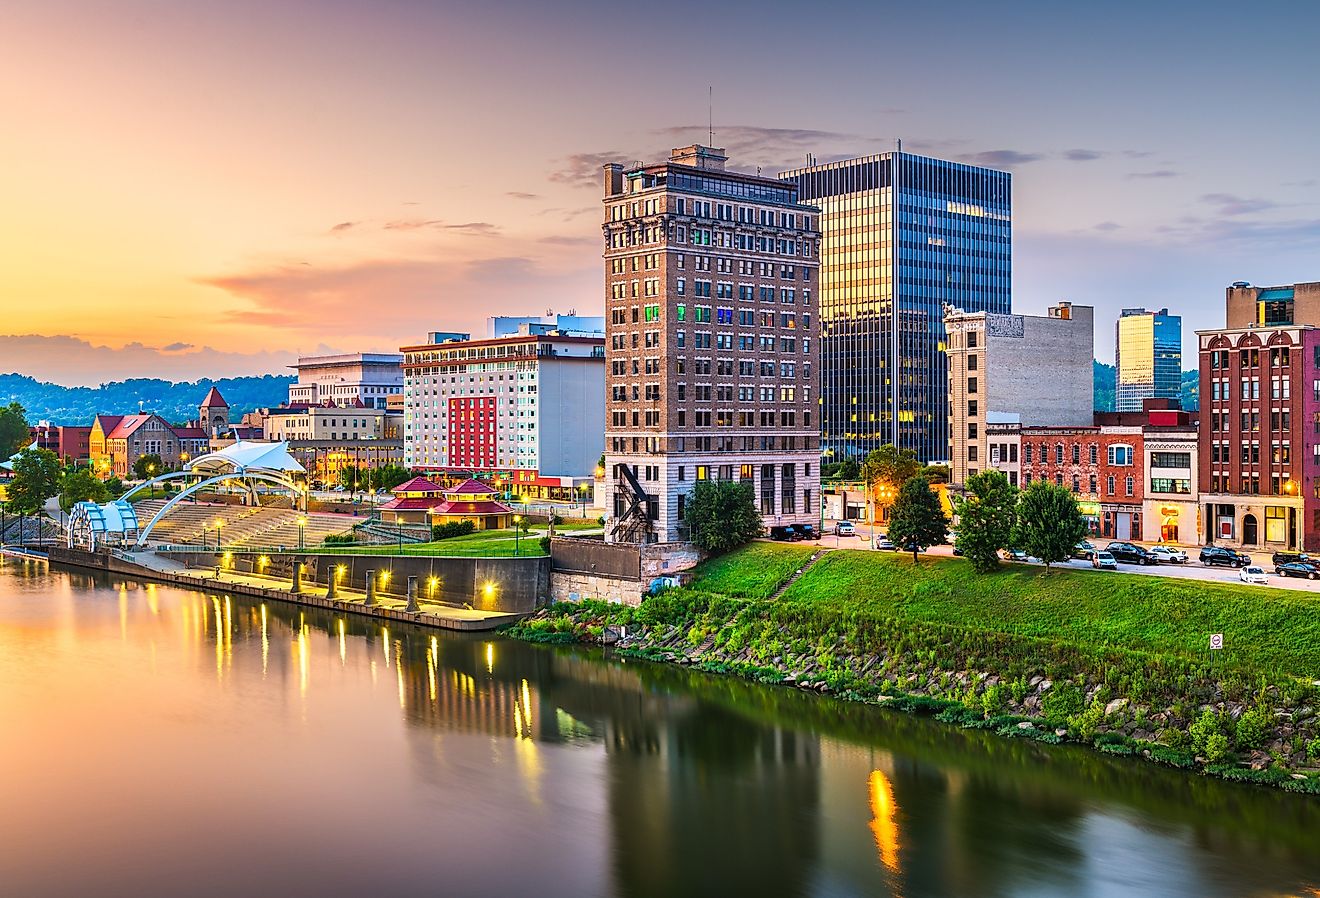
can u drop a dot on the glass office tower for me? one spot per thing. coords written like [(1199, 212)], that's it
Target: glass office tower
[(902, 236), (1148, 356)]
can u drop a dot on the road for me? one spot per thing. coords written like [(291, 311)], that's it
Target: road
[(1192, 570)]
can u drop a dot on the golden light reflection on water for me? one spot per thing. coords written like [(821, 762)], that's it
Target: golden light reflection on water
[(343, 642), (884, 820), (490, 657), (398, 667), (265, 641), (301, 644)]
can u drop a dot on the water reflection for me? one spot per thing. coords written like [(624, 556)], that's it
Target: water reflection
[(505, 767)]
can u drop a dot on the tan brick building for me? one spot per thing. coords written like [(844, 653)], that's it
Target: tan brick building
[(711, 350)]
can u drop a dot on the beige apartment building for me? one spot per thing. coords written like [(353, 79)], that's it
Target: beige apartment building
[(711, 350), (1024, 370)]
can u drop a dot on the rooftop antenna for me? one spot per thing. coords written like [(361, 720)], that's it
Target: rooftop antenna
[(710, 115)]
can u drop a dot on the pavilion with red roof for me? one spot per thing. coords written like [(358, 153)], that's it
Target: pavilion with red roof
[(412, 502), (472, 501)]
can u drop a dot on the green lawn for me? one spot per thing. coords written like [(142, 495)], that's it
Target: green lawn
[(489, 543), (754, 572), (1271, 630)]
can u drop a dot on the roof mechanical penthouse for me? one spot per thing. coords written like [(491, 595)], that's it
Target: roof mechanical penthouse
[(710, 280)]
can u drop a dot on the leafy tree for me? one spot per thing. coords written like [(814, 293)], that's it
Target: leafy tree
[(14, 431), (985, 519), (387, 477), (115, 487), (36, 479), (917, 520), (890, 465), (81, 486), (722, 515), (850, 469), (1049, 523), (935, 473), (148, 466), (352, 477)]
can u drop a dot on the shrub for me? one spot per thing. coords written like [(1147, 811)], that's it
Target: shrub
[(544, 542), (340, 539), (1086, 724), (1210, 736), (451, 529), (992, 700), (1254, 727), (1313, 749), (1062, 701)]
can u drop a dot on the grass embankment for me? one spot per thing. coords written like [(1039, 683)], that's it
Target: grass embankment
[(485, 543), (1117, 660)]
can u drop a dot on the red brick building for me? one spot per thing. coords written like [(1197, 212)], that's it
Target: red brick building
[(1103, 466)]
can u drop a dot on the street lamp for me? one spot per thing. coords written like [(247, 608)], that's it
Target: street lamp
[(219, 522), (302, 523), (517, 533)]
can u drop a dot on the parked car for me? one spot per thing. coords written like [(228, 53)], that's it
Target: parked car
[(1131, 553), (1252, 574), (1104, 560), (1308, 569), (1284, 557), (808, 531), (1169, 554), (1223, 556), (1084, 550), (845, 528), (881, 541), (785, 534)]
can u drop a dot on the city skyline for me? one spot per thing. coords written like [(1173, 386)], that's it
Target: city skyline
[(250, 183)]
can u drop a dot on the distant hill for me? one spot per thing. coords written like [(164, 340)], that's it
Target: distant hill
[(175, 402), (1105, 376)]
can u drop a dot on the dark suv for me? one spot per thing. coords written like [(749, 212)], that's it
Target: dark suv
[(1221, 555), (1131, 553), (1285, 557)]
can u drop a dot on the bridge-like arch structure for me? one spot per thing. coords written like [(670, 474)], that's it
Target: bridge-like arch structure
[(246, 462)]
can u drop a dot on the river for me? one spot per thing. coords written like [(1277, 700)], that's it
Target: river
[(158, 741)]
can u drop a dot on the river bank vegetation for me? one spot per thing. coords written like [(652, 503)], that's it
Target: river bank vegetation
[(1119, 662)]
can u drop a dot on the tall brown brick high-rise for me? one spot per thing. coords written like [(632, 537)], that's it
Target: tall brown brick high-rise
[(711, 350)]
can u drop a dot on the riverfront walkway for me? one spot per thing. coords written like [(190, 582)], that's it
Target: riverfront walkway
[(353, 601)]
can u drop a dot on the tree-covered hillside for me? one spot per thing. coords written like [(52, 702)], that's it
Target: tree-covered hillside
[(175, 402)]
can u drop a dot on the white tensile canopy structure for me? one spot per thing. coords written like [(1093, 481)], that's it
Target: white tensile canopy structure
[(8, 465), (248, 461)]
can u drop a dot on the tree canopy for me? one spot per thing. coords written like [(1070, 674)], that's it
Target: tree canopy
[(81, 486), (986, 515), (722, 515), (890, 466), (148, 466), (916, 519), (14, 431), (1049, 523), (36, 479)]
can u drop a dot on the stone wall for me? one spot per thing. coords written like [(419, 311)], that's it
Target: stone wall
[(668, 559), (570, 586)]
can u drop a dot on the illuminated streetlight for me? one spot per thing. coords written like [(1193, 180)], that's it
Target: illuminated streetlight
[(517, 532), (219, 522), (302, 523)]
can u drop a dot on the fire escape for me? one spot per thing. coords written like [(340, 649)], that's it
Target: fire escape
[(634, 524)]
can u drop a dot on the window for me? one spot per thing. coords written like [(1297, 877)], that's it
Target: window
[(971, 362), (1170, 459), (1120, 455), (1095, 450), (971, 386), (1076, 454), (1129, 484)]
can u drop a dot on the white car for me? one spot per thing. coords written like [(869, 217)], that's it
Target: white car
[(1252, 574), (845, 528), (1169, 554), (1103, 561), (882, 542)]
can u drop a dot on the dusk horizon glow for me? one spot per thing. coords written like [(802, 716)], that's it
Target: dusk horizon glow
[(253, 182)]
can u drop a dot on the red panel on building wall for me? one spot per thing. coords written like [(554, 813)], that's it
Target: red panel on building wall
[(472, 441)]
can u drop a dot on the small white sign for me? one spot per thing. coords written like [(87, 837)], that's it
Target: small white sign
[(1216, 641)]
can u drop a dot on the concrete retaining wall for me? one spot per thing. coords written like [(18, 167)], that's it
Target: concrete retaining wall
[(567, 586)]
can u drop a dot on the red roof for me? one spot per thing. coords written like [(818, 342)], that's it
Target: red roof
[(109, 422), (127, 425), (358, 403), (465, 507), (214, 399), (471, 488), (417, 485), (190, 433), (419, 503)]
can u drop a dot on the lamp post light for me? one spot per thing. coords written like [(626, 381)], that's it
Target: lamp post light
[(517, 533), (302, 523), (219, 522)]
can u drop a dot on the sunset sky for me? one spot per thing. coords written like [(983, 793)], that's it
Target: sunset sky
[(198, 189)]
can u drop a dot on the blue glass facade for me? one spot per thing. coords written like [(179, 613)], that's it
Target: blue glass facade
[(1148, 357), (902, 235)]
